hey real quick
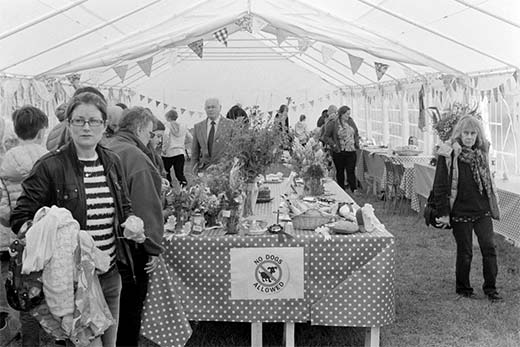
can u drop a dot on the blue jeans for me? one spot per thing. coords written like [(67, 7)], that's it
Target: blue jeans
[(111, 286), (463, 233)]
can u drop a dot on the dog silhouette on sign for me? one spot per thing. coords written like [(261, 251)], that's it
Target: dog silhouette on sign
[(265, 277), (272, 269)]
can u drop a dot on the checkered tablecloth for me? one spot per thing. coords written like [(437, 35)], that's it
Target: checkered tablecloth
[(508, 195), (348, 281)]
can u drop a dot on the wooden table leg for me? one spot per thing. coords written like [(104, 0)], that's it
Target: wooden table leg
[(256, 334), (372, 337), (288, 334)]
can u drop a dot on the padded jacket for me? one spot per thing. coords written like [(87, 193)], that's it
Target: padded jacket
[(330, 135), (57, 179)]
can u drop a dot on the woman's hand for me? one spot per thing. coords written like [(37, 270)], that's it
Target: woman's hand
[(153, 262), (444, 220)]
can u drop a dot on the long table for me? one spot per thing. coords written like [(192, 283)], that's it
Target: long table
[(348, 281), (508, 195)]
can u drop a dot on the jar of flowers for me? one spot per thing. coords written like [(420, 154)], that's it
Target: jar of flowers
[(309, 162), (256, 144)]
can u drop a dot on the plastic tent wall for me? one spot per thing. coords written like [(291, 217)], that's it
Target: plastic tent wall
[(296, 48)]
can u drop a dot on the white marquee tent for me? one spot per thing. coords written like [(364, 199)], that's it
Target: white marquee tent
[(316, 52)]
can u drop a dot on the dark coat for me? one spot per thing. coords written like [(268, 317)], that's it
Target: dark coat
[(57, 179), (330, 135)]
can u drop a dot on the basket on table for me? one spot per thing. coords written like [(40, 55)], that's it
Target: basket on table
[(310, 219)]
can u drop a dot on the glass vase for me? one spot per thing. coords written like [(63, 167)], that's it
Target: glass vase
[(251, 194), (313, 186)]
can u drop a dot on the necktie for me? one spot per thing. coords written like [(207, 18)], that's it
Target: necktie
[(211, 135)]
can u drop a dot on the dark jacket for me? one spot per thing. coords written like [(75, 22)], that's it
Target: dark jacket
[(57, 179), (330, 136), (458, 195), (144, 185), (58, 136), (322, 120)]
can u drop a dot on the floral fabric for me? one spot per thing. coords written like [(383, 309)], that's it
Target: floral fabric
[(346, 138)]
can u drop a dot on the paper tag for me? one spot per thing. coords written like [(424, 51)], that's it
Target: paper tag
[(226, 213)]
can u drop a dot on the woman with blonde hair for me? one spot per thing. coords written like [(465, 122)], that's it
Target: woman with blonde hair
[(466, 199)]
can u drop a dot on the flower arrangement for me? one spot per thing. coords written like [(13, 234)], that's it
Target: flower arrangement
[(444, 123), (256, 144), (309, 161)]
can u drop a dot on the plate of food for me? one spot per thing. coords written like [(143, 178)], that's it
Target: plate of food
[(254, 227)]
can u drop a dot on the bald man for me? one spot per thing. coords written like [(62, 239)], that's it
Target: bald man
[(209, 139)]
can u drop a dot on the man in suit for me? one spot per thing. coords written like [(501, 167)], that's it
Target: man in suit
[(209, 136)]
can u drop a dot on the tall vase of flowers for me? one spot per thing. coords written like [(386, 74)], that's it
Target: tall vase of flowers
[(256, 145), (309, 162)]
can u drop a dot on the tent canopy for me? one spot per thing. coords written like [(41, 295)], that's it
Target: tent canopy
[(298, 48)]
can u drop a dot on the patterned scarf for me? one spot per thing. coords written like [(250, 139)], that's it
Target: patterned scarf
[(479, 167)]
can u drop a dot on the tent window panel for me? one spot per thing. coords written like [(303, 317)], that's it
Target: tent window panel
[(396, 138), (503, 137), (413, 118)]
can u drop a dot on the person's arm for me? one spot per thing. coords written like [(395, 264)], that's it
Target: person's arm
[(147, 205), (327, 135), (442, 187), (36, 193)]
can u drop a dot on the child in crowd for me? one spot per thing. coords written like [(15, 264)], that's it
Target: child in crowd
[(29, 126)]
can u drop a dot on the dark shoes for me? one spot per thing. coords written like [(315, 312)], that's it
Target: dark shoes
[(494, 297), (469, 295)]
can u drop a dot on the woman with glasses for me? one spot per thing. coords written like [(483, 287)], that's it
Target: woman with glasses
[(87, 180)]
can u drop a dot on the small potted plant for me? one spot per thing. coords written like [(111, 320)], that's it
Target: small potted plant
[(309, 162)]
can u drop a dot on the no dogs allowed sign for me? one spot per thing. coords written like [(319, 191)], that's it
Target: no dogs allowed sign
[(267, 273)]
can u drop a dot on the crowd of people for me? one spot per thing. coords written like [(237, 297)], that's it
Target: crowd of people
[(110, 165)]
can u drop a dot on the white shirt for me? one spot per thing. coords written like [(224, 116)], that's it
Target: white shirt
[(174, 138), (208, 123)]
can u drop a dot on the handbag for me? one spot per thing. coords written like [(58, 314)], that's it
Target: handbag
[(24, 292), (430, 210), (430, 213)]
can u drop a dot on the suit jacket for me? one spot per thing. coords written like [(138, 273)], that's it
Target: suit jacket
[(199, 151)]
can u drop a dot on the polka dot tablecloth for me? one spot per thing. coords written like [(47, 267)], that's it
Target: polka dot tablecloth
[(348, 281)]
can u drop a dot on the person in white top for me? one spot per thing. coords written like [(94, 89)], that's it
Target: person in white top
[(173, 149)]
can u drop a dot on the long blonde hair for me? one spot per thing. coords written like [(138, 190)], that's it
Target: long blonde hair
[(469, 121)]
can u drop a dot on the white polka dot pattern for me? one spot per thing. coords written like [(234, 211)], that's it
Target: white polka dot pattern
[(164, 321), (349, 281)]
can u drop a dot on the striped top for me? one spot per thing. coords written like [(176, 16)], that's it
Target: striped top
[(100, 208)]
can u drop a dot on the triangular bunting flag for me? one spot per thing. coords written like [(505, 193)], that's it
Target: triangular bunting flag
[(245, 23), (270, 113), (303, 45), (502, 88), (165, 106), (294, 108), (121, 71), (197, 47), (258, 24), (326, 53), (183, 110), (281, 36), (311, 102), (149, 100), (380, 70), (191, 113), (355, 63), (157, 103), (221, 35), (74, 79), (146, 65), (141, 97)]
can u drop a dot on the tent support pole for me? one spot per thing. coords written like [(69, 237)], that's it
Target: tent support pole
[(39, 20), (135, 33), (427, 57), (434, 32), (314, 59), (82, 34), (476, 8)]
